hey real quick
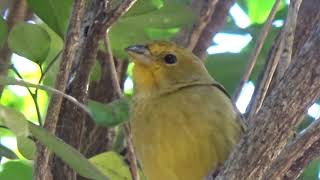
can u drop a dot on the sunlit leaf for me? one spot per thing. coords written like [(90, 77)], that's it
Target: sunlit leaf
[(67, 153), (56, 46), (163, 34), (30, 40), (111, 114), (6, 152), (258, 10), (142, 7), (14, 120), (55, 13), (26, 147), (3, 31), (16, 170), (112, 165)]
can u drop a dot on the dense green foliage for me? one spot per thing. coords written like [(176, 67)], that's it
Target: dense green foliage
[(41, 42)]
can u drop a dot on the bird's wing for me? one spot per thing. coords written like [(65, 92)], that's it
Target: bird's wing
[(241, 118)]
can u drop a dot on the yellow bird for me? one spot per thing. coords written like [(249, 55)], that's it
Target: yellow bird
[(183, 123)]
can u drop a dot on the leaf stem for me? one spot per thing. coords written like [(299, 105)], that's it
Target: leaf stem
[(33, 95)]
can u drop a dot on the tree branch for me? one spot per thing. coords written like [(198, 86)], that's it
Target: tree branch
[(296, 169), (255, 53), (308, 17), (98, 17), (43, 164), (288, 37), (218, 20), (204, 19), (265, 79), (294, 150), (278, 117), (17, 13), (211, 18)]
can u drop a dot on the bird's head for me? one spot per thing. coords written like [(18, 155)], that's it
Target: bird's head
[(163, 66)]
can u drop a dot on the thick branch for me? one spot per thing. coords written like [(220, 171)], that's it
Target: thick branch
[(218, 20), (278, 117), (296, 169), (43, 166), (203, 21), (308, 16), (72, 120), (294, 150)]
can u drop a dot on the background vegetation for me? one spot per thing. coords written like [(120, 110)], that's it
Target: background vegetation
[(34, 45)]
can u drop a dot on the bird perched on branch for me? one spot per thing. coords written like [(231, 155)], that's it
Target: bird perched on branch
[(183, 123)]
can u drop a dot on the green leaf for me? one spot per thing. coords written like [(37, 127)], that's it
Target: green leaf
[(26, 147), (6, 152), (67, 153), (96, 72), (30, 40), (16, 170), (3, 31), (112, 165), (312, 171), (143, 7), (164, 34), (259, 11), (14, 120), (55, 13), (136, 29), (56, 46), (111, 114)]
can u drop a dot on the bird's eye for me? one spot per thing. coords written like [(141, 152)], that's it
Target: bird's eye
[(170, 59)]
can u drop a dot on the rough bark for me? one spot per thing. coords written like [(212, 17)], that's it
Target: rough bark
[(17, 13), (99, 139), (218, 20), (294, 150), (308, 17), (296, 169), (73, 38), (278, 117), (98, 17)]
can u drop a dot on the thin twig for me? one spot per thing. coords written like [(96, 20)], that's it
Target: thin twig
[(255, 53), (44, 73), (288, 37), (116, 13), (10, 81), (36, 92), (294, 150), (264, 84), (114, 78), (281, 59), (33, 96), (131, 155), (205, 18)]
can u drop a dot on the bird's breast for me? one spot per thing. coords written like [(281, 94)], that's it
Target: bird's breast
[(184, 135)]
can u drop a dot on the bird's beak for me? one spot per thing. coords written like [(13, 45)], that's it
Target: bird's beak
[(139, 54)]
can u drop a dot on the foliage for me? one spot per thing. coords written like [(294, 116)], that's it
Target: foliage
[(3, 31), (42, 44)]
